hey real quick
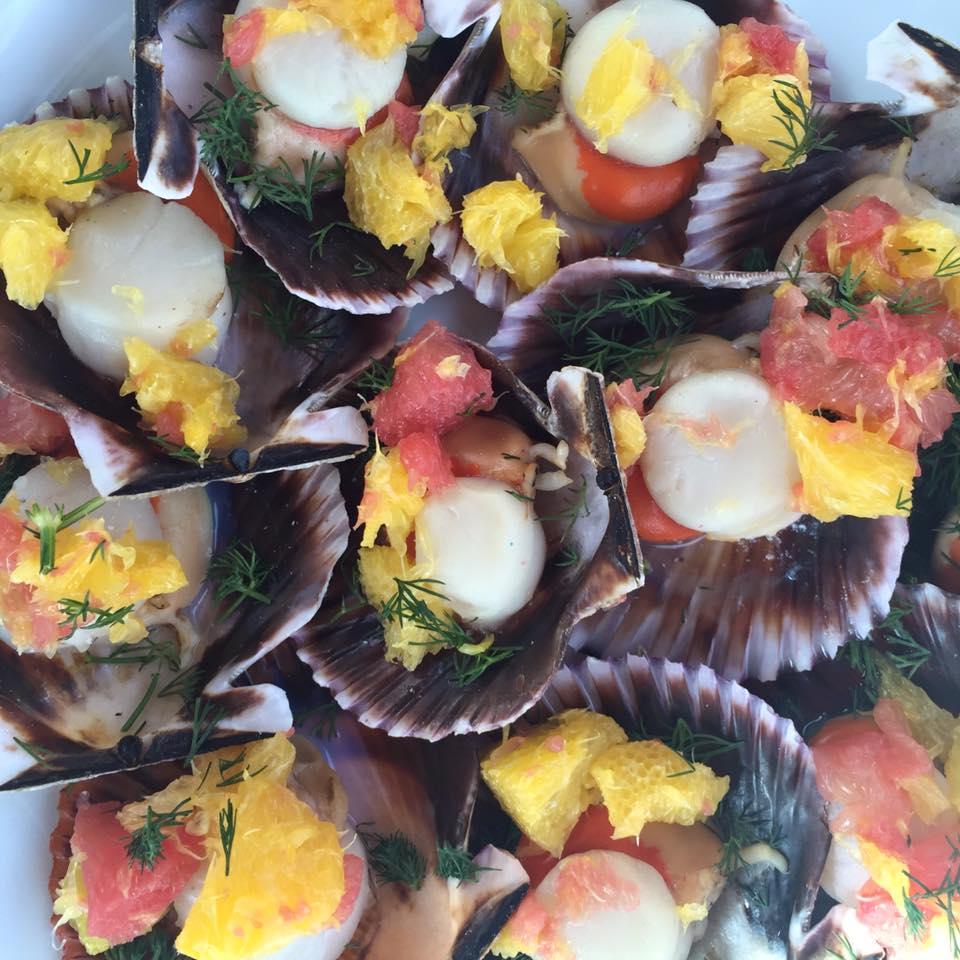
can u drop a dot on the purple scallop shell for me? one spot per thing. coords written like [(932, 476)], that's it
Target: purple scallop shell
[(771, 774), (346, 656), (493, 158), (70, 713)]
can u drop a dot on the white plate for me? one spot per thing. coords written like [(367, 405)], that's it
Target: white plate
[(49, 46)]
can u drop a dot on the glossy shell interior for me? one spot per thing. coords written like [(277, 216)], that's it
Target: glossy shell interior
[(771, 774), (347, 655), (287, 414), (170, 78), (662, 239), (71, 713)]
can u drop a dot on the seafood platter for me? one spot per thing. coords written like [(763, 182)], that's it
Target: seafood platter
[(612, 613)]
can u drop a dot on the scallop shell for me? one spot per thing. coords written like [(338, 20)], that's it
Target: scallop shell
[(493, 158), (748, 608), (170, 73), (391, 785), (738, 208), (771, 774), (71, 713), (287, 414), (347, 656), (811, 697)]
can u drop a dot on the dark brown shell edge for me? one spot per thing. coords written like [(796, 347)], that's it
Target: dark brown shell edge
[(491, 157), (348, 657), (922, 68), (771, 773), (295, 520), (746, 609), (286, 412), (165, 142), (281, 238)]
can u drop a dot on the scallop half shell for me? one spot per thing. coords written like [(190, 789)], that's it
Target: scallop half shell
[(404, 786), (174, 78), (348, 656), (287, 414), (64, 718), (493, 158), (738, 209), (748, 608), (771, 775)]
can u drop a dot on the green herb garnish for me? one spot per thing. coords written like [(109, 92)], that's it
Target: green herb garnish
[(801, 125), (456, 864), (240, 573), (92, 176), (49, 521), (226, 124), (395, 859), (511, 98), (145, 846), (637, 348), (76, 613), (227, 821)]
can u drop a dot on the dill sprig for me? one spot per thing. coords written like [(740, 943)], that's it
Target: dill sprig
[(227, 821), (904, 126), (375, 379), (394, 858), (239, 572), (845, 949), (236, 771), (569, 556), (13, 466), (145, 845), (755, 260), (800, 123), (946, 895), (77, 614), (511, 98), (226, 125), (178, 451), (206, 719), (319, 237), (738, 826), (144, 653), (470, 667), (362, 268), (456, 864), (155, 945), (408, 605), (296, 322), (92, 176), (693, 747), (325, 721), (844, 297), (650, 322), (49, 521), (915, 922), (34, 750), (949, 265), (901, 649)]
